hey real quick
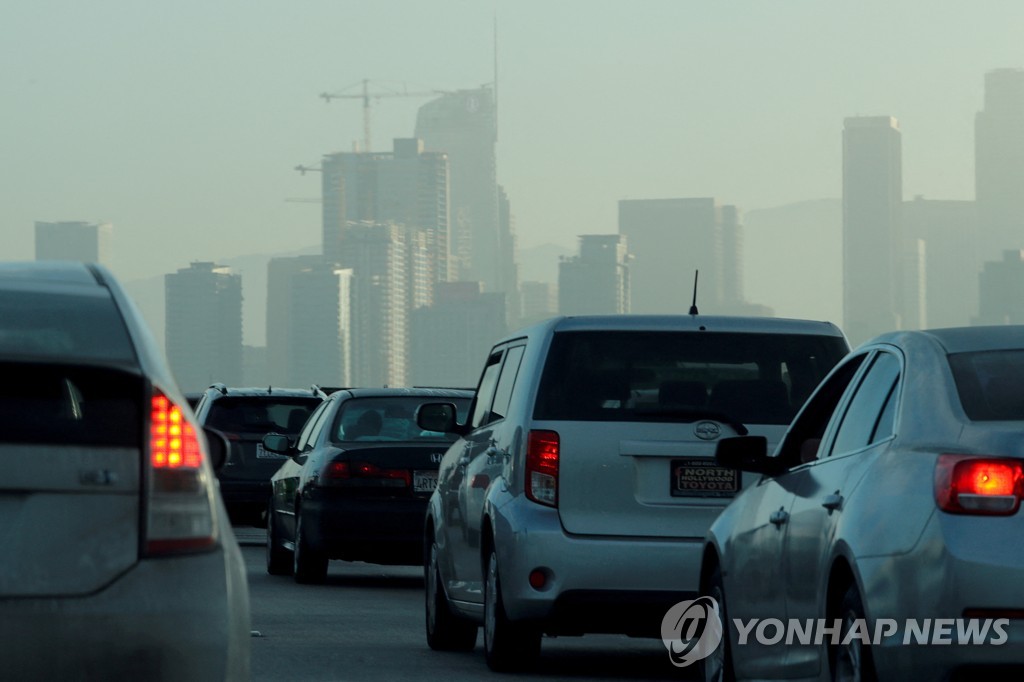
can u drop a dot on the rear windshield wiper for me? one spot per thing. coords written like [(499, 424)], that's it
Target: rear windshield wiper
[(685, 415)]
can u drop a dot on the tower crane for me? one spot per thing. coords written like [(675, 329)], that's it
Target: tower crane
[(366, 96)]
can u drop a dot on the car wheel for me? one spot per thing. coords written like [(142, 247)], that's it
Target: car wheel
[(851, 661), (279, 559), (507, 645), (309, 565), (445, 630), (717, 667)]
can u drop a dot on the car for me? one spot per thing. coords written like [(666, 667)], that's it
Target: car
[(119, 561), (893, 500), (355, 483), (577, 496), (245, 415)]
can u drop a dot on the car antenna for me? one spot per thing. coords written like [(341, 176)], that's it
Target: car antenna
[(693, 306)]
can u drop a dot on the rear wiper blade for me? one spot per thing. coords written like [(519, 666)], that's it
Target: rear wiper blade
[(693, 415)]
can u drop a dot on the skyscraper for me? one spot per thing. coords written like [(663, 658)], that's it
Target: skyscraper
[(204, 325), (999, 287), (999, 163), (595, 282), (73, 240), (873, 248)]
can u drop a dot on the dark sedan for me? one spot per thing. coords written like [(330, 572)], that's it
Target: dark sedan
[(357, 482)]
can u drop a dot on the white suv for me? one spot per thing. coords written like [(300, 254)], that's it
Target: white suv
[(580, 490)]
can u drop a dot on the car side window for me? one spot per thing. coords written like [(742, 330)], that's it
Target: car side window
[(865, 408), (886, 421), (307, 430), (506, 382), (485, 391)]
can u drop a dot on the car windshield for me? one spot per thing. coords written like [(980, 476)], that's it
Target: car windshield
[(390, 419), (261, 414), (683, 376), (989, 384)]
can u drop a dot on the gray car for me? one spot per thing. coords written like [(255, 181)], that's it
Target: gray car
[(118, 560), (578, 494), (893, 501)]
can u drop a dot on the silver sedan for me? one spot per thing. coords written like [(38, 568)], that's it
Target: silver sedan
[(883, 538)]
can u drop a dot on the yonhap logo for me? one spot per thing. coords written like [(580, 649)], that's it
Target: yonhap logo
[(691, 630)]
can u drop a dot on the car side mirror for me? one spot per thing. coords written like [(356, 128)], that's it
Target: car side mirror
[(275, 442), (747, 453), (217, 447), (439, 417)]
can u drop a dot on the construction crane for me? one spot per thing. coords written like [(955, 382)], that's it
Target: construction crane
[(366, 96)]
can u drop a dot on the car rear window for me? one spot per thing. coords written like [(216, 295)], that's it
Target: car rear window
[(390, 418), (261, 414), (989, 384), (69, 405), (63, 326), (682, 376)]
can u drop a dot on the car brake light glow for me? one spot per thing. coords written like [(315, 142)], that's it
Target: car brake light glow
[(343, 470), (979, 485), (542, 452), (179, 506)]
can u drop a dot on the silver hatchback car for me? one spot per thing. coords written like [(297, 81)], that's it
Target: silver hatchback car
[(578, 495), (883, 536), (118, 562)]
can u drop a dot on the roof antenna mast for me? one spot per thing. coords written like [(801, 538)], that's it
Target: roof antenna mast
[(693, 306)]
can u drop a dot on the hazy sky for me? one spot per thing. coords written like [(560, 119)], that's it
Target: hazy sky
[(181, 122)]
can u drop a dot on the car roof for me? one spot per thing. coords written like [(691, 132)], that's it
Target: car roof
[(43, 274), (964, 339), (414, 392), (221, 391)]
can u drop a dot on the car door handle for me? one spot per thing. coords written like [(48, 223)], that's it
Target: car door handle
[(779, 517), (833, 502)]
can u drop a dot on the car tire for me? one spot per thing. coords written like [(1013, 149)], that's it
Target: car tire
[(508, 646), (851, 661), (445, 630), (717, 667), (279, 559), (308, 564)]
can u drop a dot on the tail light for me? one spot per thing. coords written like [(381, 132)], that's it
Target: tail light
[(179, 511), (365, 472), (542, 467), (979, 485)]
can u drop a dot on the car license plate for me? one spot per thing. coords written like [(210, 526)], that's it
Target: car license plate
[(702, 478), (263, 453), (424, 481)]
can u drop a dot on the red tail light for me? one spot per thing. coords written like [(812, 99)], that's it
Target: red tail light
[(542, 467), (348, 471), (979, 485), (179, 512)]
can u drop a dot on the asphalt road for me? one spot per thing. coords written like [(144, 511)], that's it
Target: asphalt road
[(366, 623)]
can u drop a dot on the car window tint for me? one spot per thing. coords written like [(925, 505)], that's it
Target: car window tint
[(307, 429), (989, 384), (754, 378), (65, 405), (506, 382), (60, 326), (389, 418), (260, 414), (485, 391), (864, 410)]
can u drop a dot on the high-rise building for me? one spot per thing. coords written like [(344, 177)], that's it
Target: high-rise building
[(309, 322), (539, 301), (451, 339), (1001, 290), (377, 254), (464, 125), (873, 246), (407, 187), (595, 282), (999, 163), (672, 239), (204, 325), (949, 232), (73, 240)]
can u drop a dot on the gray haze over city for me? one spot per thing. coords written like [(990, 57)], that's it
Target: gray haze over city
[(181, 126)]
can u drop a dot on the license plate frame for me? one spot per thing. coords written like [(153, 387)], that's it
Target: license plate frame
[(424, 481), (700, 477), (263, 453)]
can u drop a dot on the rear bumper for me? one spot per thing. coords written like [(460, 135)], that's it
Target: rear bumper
[(379, 530), (182, 618), (241, 491), (594, 583)]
